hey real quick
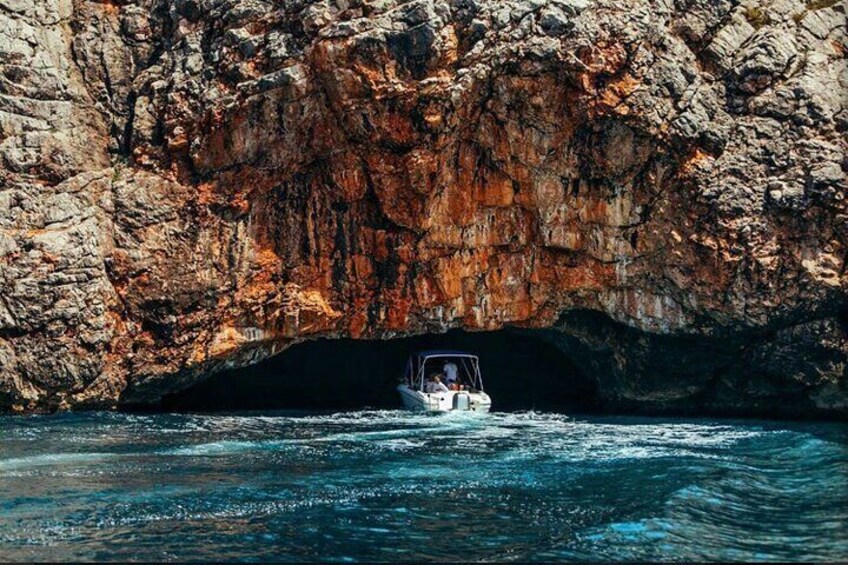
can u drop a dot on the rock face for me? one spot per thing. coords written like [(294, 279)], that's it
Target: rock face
[(191, 185)]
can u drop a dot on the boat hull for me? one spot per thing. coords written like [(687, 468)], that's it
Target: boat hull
[(452, 401)]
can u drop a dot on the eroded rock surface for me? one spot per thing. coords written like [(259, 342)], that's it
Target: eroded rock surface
[(191, 185)]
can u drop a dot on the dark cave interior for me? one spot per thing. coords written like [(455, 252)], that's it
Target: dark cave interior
[(521, 371)]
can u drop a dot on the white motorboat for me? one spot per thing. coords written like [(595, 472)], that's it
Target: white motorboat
[(459, 373)]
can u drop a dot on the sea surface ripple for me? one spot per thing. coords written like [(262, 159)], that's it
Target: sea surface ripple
[(396, 486)]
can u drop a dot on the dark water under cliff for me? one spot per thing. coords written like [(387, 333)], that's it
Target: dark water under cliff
[(389, 485)]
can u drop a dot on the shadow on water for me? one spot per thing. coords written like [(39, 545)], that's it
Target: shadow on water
[(520, 372)]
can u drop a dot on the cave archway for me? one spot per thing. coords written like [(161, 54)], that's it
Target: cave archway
[(522, 370)]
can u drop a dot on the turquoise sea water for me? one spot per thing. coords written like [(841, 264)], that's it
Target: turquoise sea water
[(394, 486)]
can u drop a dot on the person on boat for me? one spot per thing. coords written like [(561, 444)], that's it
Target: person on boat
[(430, 382), (451, 372), (437, 385)]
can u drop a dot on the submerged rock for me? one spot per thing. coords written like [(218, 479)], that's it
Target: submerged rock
[(194, 185)]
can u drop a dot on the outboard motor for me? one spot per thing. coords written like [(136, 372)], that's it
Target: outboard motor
[(461, 401)]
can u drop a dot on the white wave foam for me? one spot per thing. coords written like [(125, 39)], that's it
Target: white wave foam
[(48, 459)]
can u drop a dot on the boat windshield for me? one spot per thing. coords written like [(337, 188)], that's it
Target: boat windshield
[(461, 368)]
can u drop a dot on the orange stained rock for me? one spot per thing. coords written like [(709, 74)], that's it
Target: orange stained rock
[(404, 251), (495, 189), (551, 272), (694, 159), (448, 275), (358, 323), (348, 176), (263, 280), (240, 202), (382, 245), (506, 278), (611, 97), (422, 167), (449, 48), (391, 187), (624, 86), (606, 57), (219, 138), (457, 206), (111, 7), (207, 193), (426, 289), (593, 210), (397, 313), (433, 117), (225, 341), (363, 268)]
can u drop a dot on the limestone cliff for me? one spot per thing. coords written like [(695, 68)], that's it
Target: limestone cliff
[(191, 185)]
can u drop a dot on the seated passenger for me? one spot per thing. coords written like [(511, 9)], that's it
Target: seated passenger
[(457, 385), (429, 382), (438, 385)]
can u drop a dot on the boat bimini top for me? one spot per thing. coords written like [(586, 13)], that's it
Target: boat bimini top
[(420, 363)]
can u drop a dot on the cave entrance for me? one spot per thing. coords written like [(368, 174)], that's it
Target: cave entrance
[(522, 370)]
